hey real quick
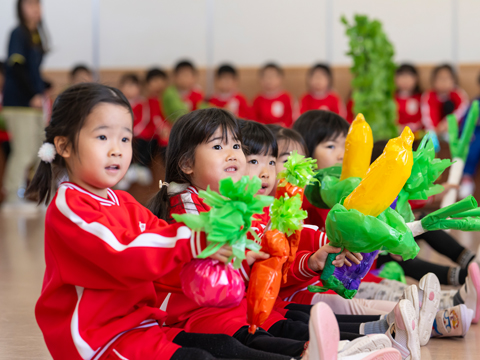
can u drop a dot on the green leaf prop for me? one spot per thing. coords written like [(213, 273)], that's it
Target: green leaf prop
[(230, 217), (332, 283), (172, 104), (373, 69), (393, 271), (328, 190), (420, 185), (299, 170), (287, 215), (459, 146), (461, 213)]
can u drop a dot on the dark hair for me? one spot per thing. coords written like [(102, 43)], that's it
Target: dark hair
[(378, 148), (40, 29), (271, 66), (2, 68), (288, 135), (226, 69), (129, 78), (441, 67), (155, 73), (69, 112), (317, 126), (189, 131), (184, 64), (323, 67), (257, 139), (412, 70), (77, 68)]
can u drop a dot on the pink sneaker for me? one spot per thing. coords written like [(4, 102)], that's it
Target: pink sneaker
[(469, 293)]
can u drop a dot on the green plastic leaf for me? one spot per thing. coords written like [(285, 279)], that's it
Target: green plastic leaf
[(332, 283), (393, 271), (230, 218), (173, 105), (429, 221), (312, 190), (459, 146), (287, 215), (299, 170)]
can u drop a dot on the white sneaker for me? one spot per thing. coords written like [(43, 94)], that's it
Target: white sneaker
[(469, 292), (428, 298), (363, 344), (403, 333), (383, 354), (453, 322)]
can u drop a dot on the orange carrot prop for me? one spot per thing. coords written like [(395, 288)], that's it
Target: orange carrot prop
[(297, 174), (265, 279)]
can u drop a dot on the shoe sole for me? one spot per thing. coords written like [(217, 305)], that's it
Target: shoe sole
[(411, 293), (366, 344), (323, 324), (430, 303), (410, 324), (474, 273), (383, 354)]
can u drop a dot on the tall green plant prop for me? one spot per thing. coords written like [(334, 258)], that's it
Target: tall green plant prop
[(373, 72)]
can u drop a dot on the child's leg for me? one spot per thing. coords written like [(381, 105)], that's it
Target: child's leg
[(445, 244), (354, 306), (417, 268), (221, 346)]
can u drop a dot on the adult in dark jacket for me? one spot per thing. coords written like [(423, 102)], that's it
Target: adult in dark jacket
[(23, 99)]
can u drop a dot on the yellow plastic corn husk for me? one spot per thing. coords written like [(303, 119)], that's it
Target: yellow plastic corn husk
[(358, 149), (385, 177)]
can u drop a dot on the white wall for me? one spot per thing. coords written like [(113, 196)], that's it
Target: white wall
[(246, 32)]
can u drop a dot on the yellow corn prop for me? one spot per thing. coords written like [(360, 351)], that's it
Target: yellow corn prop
[(358, 149), (385, 177)]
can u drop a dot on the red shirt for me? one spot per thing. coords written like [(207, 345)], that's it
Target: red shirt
[(235, 103), (162, 127), (350, 114), (274, 110), (432, 107), (102, 257), (330, 101), (409, 111), (143, 125), (192, 98)]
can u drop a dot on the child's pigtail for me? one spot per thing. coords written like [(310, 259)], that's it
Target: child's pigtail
[(41, 186), (159, 205)]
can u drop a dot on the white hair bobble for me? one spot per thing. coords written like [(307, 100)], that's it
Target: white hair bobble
[(47, 152)]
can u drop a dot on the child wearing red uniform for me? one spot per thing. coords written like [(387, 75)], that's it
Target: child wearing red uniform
[(408, 96), (320, 95), (445, 98), (273, 105), (227, 95), (92, 306), (156, 81)]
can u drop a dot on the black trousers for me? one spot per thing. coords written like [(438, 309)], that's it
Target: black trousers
[(217, 346)]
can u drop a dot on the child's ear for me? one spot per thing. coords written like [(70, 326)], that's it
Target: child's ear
[(186, 166), (62, 146)]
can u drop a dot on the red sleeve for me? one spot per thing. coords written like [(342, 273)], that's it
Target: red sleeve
[(430, 112), (137, 113), (288, 115), (257, 109), (92, 252), (339, 106), (350, 115), (244, 111), (460, 99), (304, 104)]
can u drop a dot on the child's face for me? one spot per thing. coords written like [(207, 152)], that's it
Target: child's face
[(405, 82), (215, 160), (104, 149), (263, 167), (319, 81), (156, 86), (330, 152), (443, 82), (271, 81), (130, 90), (226, 84), (82, 76), (185, 79), (284, 149)]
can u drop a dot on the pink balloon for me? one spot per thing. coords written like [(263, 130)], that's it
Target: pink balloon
[(211, 283)]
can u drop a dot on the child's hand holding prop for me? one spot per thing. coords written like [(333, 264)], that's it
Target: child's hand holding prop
[(206, 281), (459, 148), (366, 223), (339, 181), (280, 241)]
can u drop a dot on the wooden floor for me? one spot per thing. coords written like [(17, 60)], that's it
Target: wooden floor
[(21, 273)]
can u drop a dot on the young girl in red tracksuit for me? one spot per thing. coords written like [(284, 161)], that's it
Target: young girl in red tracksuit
[(320, 95), (273, 105), (445, 98), (408, 96), (103, 250)]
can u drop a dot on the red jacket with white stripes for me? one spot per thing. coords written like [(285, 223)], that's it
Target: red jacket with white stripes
[(432, 107), (274, 110), (330, 101), (102, 256), (236, 103), (408, 111)]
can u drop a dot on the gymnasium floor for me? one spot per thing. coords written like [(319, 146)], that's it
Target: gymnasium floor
[(21, 273)]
